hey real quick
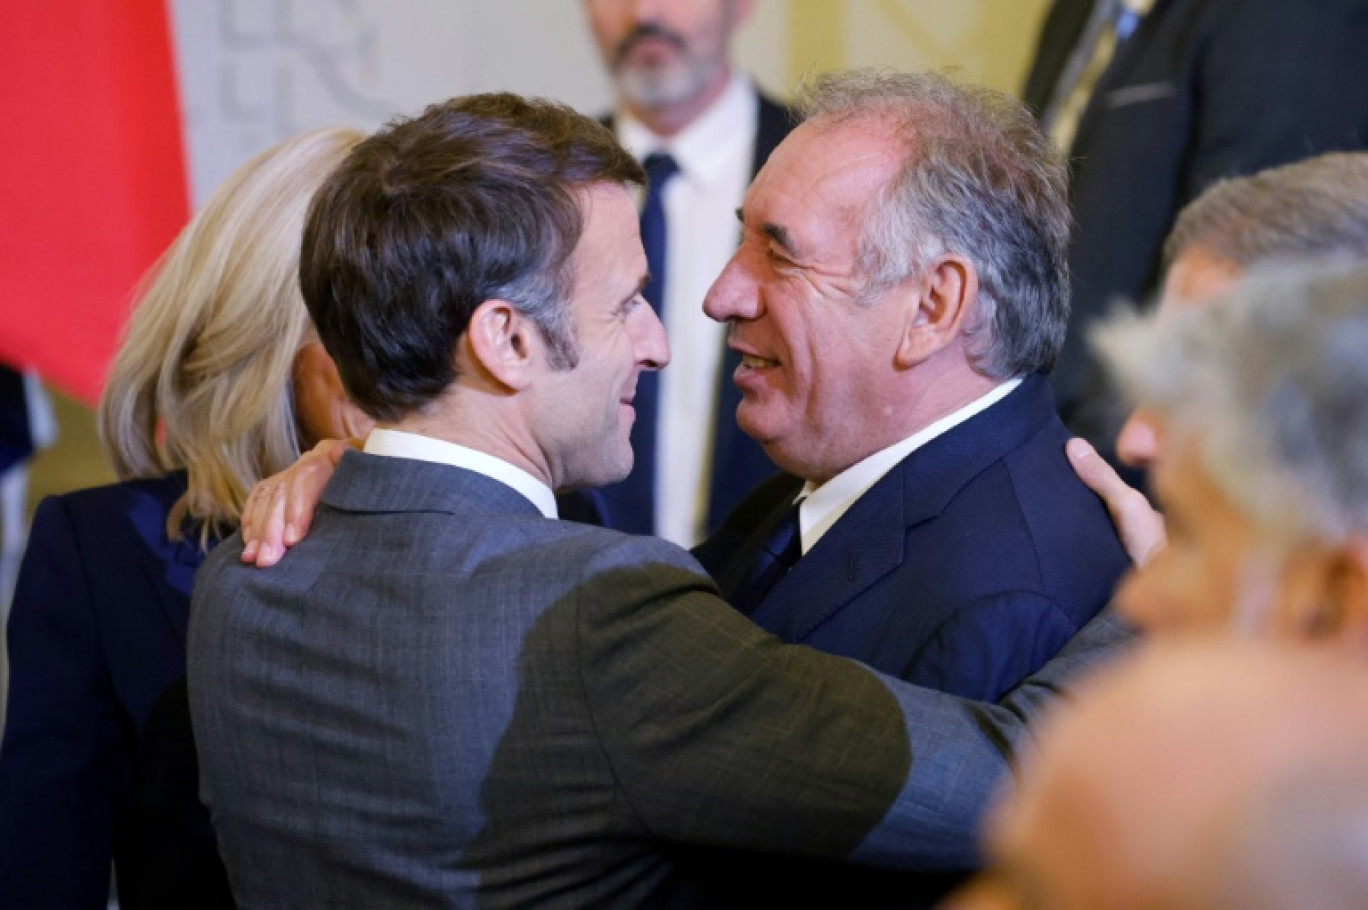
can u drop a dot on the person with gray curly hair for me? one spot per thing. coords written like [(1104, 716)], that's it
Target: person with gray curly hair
[(1263, 468), (1313, 209), (1317, 208)]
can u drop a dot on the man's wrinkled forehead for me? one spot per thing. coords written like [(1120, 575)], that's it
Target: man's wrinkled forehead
[(1197, 277), (824, 170)]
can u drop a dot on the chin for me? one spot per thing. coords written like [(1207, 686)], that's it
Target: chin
[(663, 86), (751, 420), (613, 469)]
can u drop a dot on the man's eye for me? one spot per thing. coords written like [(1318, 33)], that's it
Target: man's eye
[(777, 257)]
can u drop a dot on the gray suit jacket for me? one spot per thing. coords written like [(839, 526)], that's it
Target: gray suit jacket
[(444, 699)]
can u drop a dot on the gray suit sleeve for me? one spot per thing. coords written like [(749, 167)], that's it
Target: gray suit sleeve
[(720, 735), (962, 751)]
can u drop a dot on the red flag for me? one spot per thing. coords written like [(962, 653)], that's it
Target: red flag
[(92, 177)]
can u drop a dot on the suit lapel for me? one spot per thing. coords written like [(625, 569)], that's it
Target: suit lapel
[(168, 566), (1118, 72), (869, 540), (172, 579), (1064, 25), (737, 568), (865, 545)]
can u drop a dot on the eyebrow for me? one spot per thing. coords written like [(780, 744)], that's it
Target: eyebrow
[(640, 287), (775, 232)]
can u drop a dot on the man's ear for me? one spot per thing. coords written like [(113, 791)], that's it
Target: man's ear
[(503, 345), (947, 293), (1343, 614)]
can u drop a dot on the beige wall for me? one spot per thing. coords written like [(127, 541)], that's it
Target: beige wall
[(988, 41)]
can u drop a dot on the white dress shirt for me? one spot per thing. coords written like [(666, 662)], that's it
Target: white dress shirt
[(822, 506), (400, 444), (714, 154)]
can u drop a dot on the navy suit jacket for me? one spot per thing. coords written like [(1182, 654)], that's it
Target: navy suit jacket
[(16, 437), (963, 569), (1203, 89), (97, 761), (738, 462)]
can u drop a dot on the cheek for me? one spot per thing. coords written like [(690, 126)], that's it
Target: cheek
[(981, 894), (1173, 593)]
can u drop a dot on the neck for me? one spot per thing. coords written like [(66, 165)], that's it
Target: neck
[(666, 121), (939, 399), (914, 401), (481, 421)]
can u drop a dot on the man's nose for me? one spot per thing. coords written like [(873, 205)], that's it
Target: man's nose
[(652, 349), (735, 293), (1138, 442)]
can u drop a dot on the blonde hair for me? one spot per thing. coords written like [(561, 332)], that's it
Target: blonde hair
[(202, 381)]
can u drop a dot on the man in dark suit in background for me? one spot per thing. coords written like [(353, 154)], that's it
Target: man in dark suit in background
[(1195, 90), (445, 697), (703, 131)]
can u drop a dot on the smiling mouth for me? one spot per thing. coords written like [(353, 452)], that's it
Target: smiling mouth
[(750, 361)]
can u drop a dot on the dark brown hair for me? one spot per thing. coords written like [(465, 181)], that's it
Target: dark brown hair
[(475, 199)]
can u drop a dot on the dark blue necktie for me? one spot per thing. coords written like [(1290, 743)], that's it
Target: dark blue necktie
[(773, 558), (630, 505)]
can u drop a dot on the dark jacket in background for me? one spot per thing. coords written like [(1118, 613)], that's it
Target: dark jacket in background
[(97, 761), (1203, 89)]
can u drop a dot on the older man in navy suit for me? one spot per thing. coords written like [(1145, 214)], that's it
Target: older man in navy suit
[(899, 290)]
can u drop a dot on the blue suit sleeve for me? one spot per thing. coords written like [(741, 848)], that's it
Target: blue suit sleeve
[(987, 647), (66, 753)]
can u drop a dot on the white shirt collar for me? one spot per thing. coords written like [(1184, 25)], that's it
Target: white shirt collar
[(822, 506), (702, 148), (402, 444)]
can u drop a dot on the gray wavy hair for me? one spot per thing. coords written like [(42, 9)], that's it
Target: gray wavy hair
[(1313, 208), (978, 179), (1271, 385)]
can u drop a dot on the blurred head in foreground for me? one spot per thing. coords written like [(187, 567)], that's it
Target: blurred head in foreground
[(1313, 209), (1221, 776), (1261, 402)]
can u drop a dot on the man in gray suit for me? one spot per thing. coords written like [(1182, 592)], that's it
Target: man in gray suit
[(448, 698)]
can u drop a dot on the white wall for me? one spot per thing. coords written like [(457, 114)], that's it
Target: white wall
[(256, 71)]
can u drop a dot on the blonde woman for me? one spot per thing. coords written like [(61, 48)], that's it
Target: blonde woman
[(219, 382)]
